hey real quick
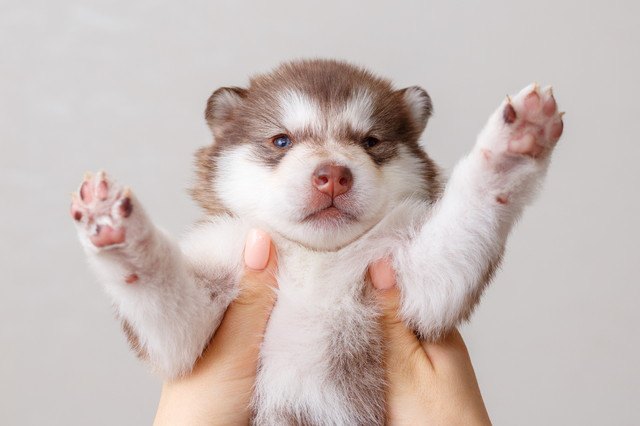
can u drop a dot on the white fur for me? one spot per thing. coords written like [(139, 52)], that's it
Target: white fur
[(298, 111), (419, 103), (168, 309), (357, 112)]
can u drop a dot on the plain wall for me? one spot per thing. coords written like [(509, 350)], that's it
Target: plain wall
[(121, 85)]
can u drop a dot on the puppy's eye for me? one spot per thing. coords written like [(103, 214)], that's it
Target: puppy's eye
[(370, 142), (282, 141)]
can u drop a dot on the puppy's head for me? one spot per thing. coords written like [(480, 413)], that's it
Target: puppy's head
[(318, 150)]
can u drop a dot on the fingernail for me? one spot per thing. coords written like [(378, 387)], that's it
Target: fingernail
[(382, 274), (256, 250)]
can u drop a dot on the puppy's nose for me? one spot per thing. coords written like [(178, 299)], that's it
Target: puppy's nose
[(332, 180)]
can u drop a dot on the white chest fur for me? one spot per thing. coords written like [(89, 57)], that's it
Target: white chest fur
[(322, 345)]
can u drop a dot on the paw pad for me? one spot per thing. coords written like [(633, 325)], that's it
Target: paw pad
[(99, 207), (533, 120)]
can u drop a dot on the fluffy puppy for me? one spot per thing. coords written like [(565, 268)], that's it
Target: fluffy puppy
[(326, 157)]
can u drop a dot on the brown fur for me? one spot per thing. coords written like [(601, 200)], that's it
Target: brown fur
[(356, 365), (286, 418), (134, 341), (202, 191)]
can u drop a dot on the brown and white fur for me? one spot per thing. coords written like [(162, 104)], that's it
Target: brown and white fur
[(351, 184)]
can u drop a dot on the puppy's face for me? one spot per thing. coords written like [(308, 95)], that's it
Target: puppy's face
[(319, 151)]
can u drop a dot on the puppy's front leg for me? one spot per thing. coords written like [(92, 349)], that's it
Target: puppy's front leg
[(445, 268), (168, 312)]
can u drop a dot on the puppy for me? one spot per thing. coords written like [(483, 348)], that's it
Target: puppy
[(326, 157)]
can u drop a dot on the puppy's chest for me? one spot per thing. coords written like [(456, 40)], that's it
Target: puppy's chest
[(318, 281), (323, 328)]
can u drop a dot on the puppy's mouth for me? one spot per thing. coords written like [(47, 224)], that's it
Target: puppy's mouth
[(330, 214)]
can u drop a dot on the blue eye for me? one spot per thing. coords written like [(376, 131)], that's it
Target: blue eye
[(370, 142), (282, 141)]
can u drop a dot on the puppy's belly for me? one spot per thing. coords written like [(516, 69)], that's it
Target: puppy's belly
[(321, 363)]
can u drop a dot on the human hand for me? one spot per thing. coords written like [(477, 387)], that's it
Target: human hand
[(429, 383), (218, 390)]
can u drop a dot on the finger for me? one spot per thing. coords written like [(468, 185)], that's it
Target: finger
[(401, 342), (252, 307), (452, 367), (451, 341), (450, 353), (259, 280)]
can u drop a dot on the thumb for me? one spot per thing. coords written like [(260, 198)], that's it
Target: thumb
[(250, 311), (401, 341), (260, 259), (383, 278)]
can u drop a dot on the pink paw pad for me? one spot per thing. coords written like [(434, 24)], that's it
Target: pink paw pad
[(533, 120), (99, 207), (105, 235)]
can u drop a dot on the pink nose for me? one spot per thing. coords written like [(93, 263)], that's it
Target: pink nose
[(332, 180)]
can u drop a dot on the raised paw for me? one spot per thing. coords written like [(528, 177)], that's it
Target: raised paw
[(100, 208), (533, 121)]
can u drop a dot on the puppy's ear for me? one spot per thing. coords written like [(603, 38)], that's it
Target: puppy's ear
[(222, 106), (420, 107)]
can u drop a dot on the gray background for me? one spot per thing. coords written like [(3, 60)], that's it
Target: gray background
[(121, 85)]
